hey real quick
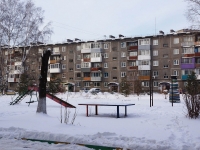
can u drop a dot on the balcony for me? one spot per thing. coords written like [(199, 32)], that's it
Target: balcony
[(132, 57), (132, 48), (197, 43), (144, 77), (184, 77), (86, 78), (144, 47), (13, 79), (91, 50), (188, 66), (143, 67), (55, 53), (197, 54), (188, 43), (96, 59), (197, 65), (144, 57), (95, 78), (55, 70), (85, 60), (188, 55), (96, 69), (54, 61), (132, 67)]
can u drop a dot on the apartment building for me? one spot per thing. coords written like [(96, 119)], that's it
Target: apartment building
[(103, 63)]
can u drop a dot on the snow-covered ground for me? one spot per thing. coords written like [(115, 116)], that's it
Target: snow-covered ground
[(160, 127)]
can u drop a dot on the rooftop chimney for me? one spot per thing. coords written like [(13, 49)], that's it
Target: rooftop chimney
[(76, 39), (110, 36), (172, 31), (68, 40), (161, 32), (120, 36)]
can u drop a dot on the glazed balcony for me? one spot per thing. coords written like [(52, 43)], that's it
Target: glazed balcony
[(188, 43), (197, 43), (187, 66), (197, 65), (132, 67), (55, 70), (189, 55), (13, 79), (91, 50), (184, 77), (96, 59), (54, 61), (96, 69), (143, 67), (86, 78), (132, 48), (144, 57), (86, 59), (96, 78), (197, 54), (144, 77), (132, 57)]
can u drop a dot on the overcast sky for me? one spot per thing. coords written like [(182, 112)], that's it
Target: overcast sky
[(95, 19)]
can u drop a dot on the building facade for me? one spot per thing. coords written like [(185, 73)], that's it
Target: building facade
[(102, 64)]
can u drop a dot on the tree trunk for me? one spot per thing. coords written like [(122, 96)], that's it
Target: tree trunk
[(42, 85)]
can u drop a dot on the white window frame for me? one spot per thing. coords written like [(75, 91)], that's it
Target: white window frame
[(105, 45), (123, 54), (105, 65), (155, 52), (105, 55), (78, 57), (96, 84), (145, 83), (155, 83), (63, 66), (63, 49), (123, 45), (176, 40), (175, 72), (106, 74), (155, 63), (86, 84), (155, 42), (123, 64), (123, 74), (176, 51), (78, 66), (105, 84), (155, 73), (176, 62)]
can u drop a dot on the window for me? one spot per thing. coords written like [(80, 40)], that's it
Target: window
[(155, 42), (85, 65), (78, 84), (144, 42), (123, 44), (165, 66), (155, 53), (105, 55), (176, 51), (96, 84), (166, 76), (145, 83), (114, 68), (144, 52), (63, 49), (114, 58), (176, 40), (144, 62), (106, 75), (176, 62), (86, 84), (165, 55), (123, 74), (78, 66), (70, 69), (186, 60), (187, 72), (63, 75), (123, 64), (188, 39), (123, 54), (70, 60), (78, 75), (105, 84), (54, 66), (105, 46), (133, 54), (105, 65), (155, 73), (165, 45), (155, 83), (64, 66), (175, 72), (64, 57), (78, 57), (71, 51), (114, 78), (71, 78), (155, 63), (188, 50)]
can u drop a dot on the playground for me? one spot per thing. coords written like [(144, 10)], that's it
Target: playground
[(158, 127)]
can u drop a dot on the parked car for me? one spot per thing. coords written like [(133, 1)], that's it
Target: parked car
[(10, 92), (84, 90), (94, 90)]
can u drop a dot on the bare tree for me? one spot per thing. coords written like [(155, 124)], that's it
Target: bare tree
[(193, 13), (21, 25)]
